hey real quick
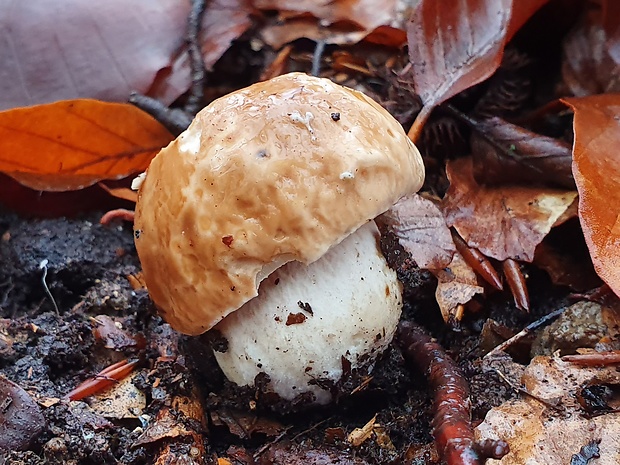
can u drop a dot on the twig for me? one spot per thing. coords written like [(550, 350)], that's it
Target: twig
[(524, 391), (177, 120), (195, 100), (525, 331)]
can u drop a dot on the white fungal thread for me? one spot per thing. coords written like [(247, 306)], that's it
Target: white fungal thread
[(347, 175), (43, 266), (297, 118)]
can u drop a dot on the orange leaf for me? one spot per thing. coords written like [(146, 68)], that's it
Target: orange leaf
[(75, 143), (502, 222), (596, 168)]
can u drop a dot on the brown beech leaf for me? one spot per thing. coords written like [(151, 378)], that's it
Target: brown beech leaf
[(73, 144), (421, 230), (349, 21), (528, 158), (548, 426), (587, 65), (105, 50), (80, 49), (501, 222), (452, 46), (456, 285), (306, 453), (366, 14), (223, 22), (596, 167)]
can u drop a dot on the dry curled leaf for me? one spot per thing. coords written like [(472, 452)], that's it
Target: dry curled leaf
[(452, 46), (366, 14), (347, 22), (548, 427), (502, 222), (73, 144), (596, 168), (527, 158), (419, 225), (457, 284), (305, 453)]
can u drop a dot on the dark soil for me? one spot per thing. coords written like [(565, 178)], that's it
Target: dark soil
[(49, 353)]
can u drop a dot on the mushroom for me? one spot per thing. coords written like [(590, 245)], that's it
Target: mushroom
[(258, 221)]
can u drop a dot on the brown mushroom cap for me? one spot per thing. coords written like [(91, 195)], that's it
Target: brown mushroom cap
[(282, 170)]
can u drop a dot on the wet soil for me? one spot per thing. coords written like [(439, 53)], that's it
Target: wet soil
[(60, 277)]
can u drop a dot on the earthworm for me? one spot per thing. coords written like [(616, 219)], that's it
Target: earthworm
[(452, 428)]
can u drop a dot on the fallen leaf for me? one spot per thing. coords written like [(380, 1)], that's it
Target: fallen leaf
[(587, 66), (457, 284), (421, 229), (21, 419), (527, 157), (366, 14), (223, 22), (112, 335), (74, 144), (348, 21), (279, 34), (306, 453), (548, 426), (501, 222), (452, 46), (245, 424), (123, 193), (84, 49), (596, 167), (123, 400)]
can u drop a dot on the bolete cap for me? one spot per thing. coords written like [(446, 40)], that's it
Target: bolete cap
[(279, 171)]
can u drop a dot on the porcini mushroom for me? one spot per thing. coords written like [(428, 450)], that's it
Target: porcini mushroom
[(276, 186)]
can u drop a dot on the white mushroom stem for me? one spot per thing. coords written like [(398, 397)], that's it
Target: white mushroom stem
[(307, 319)]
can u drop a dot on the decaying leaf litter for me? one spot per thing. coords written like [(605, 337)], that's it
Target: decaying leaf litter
[(494, 105)]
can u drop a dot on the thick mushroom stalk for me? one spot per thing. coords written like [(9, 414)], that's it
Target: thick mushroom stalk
[(282, 171), (310, 325)]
